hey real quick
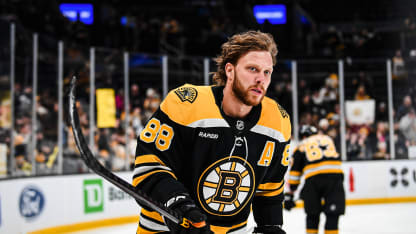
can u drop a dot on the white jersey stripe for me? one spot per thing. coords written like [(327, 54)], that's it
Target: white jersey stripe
[(270, 132), (291, 177), (324, 167), (209, 123), (143, 169), (152, 225)]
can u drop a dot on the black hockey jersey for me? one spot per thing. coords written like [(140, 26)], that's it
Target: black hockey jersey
[(314, 155), (227, 165)]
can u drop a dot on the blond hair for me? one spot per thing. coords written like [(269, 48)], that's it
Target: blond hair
[(239, 45)]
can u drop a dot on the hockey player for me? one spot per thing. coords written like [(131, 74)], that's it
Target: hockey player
[(213, 153), (317, 160)]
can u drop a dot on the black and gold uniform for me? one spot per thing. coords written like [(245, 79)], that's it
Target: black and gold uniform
[(317, 160), (228, 166)]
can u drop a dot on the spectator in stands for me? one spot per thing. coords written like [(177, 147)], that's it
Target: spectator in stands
[(323, 126), (305, 105), (136, 98), (380, 135), (361, 93), (306, 118), (326, 96), (72, 163), (151, 103), (405, 107), (105, 151), (407, 125), (131, 146), (398, 71), (361, 79), (46, 155), (381, 152), (22, 142), (24, 101), (5, 116), (353, 147), (119, 102), (118, 148), (136, 119), (381, 112), (400, 145)]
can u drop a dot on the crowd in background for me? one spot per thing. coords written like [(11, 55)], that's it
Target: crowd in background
[(115, 147), (155, 33)]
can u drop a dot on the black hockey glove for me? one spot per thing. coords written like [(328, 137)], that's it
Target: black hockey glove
[(288, 203), (196, 220), (269, 229)]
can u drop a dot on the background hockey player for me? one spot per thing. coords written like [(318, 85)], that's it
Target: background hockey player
[(212, 153), (317, 160)]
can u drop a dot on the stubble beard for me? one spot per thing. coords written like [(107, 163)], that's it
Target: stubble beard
[(244, 94)]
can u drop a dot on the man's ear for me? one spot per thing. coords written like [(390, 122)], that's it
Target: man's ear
[(229, 71)]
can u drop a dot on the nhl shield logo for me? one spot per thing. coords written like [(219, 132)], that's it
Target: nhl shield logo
[(186, 94), (239, 125)]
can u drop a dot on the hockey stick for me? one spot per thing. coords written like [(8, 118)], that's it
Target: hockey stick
[(96, 166)]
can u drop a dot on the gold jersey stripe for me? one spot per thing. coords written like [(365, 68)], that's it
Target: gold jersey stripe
[(324, 171), (271, 193), (140, 230), (185, 113), (139, 179), (219, 229), (312, 231), (294, 181), (295, 173), (215, 229), (152, 214), (148, 158), (270, 186)]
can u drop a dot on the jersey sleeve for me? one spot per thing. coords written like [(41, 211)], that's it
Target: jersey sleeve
[(296, 168), (267, 204), (158, 156)]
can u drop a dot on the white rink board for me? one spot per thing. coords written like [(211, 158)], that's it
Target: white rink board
[(380, 179), (64, 202), (65, 197)]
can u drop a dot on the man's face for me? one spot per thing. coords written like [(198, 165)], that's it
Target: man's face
[(252, 76)]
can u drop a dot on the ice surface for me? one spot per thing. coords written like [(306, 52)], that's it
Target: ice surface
[(396, 218)]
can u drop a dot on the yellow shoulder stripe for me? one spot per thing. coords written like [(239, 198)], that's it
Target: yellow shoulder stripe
[(275, 117), (185, 112)]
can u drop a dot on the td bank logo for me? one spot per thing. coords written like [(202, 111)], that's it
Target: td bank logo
[(93, 196)]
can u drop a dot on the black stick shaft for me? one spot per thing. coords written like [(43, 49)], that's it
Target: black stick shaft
[(99, 169)]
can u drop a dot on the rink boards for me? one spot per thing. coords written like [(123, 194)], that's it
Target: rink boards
[(69, 203)]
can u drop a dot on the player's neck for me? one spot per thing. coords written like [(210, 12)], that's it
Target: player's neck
[(233, 106)]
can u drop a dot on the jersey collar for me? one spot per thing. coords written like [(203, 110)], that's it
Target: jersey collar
[(239, 126)]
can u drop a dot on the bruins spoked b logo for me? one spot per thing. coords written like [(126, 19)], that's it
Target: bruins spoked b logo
[(226, 186)]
